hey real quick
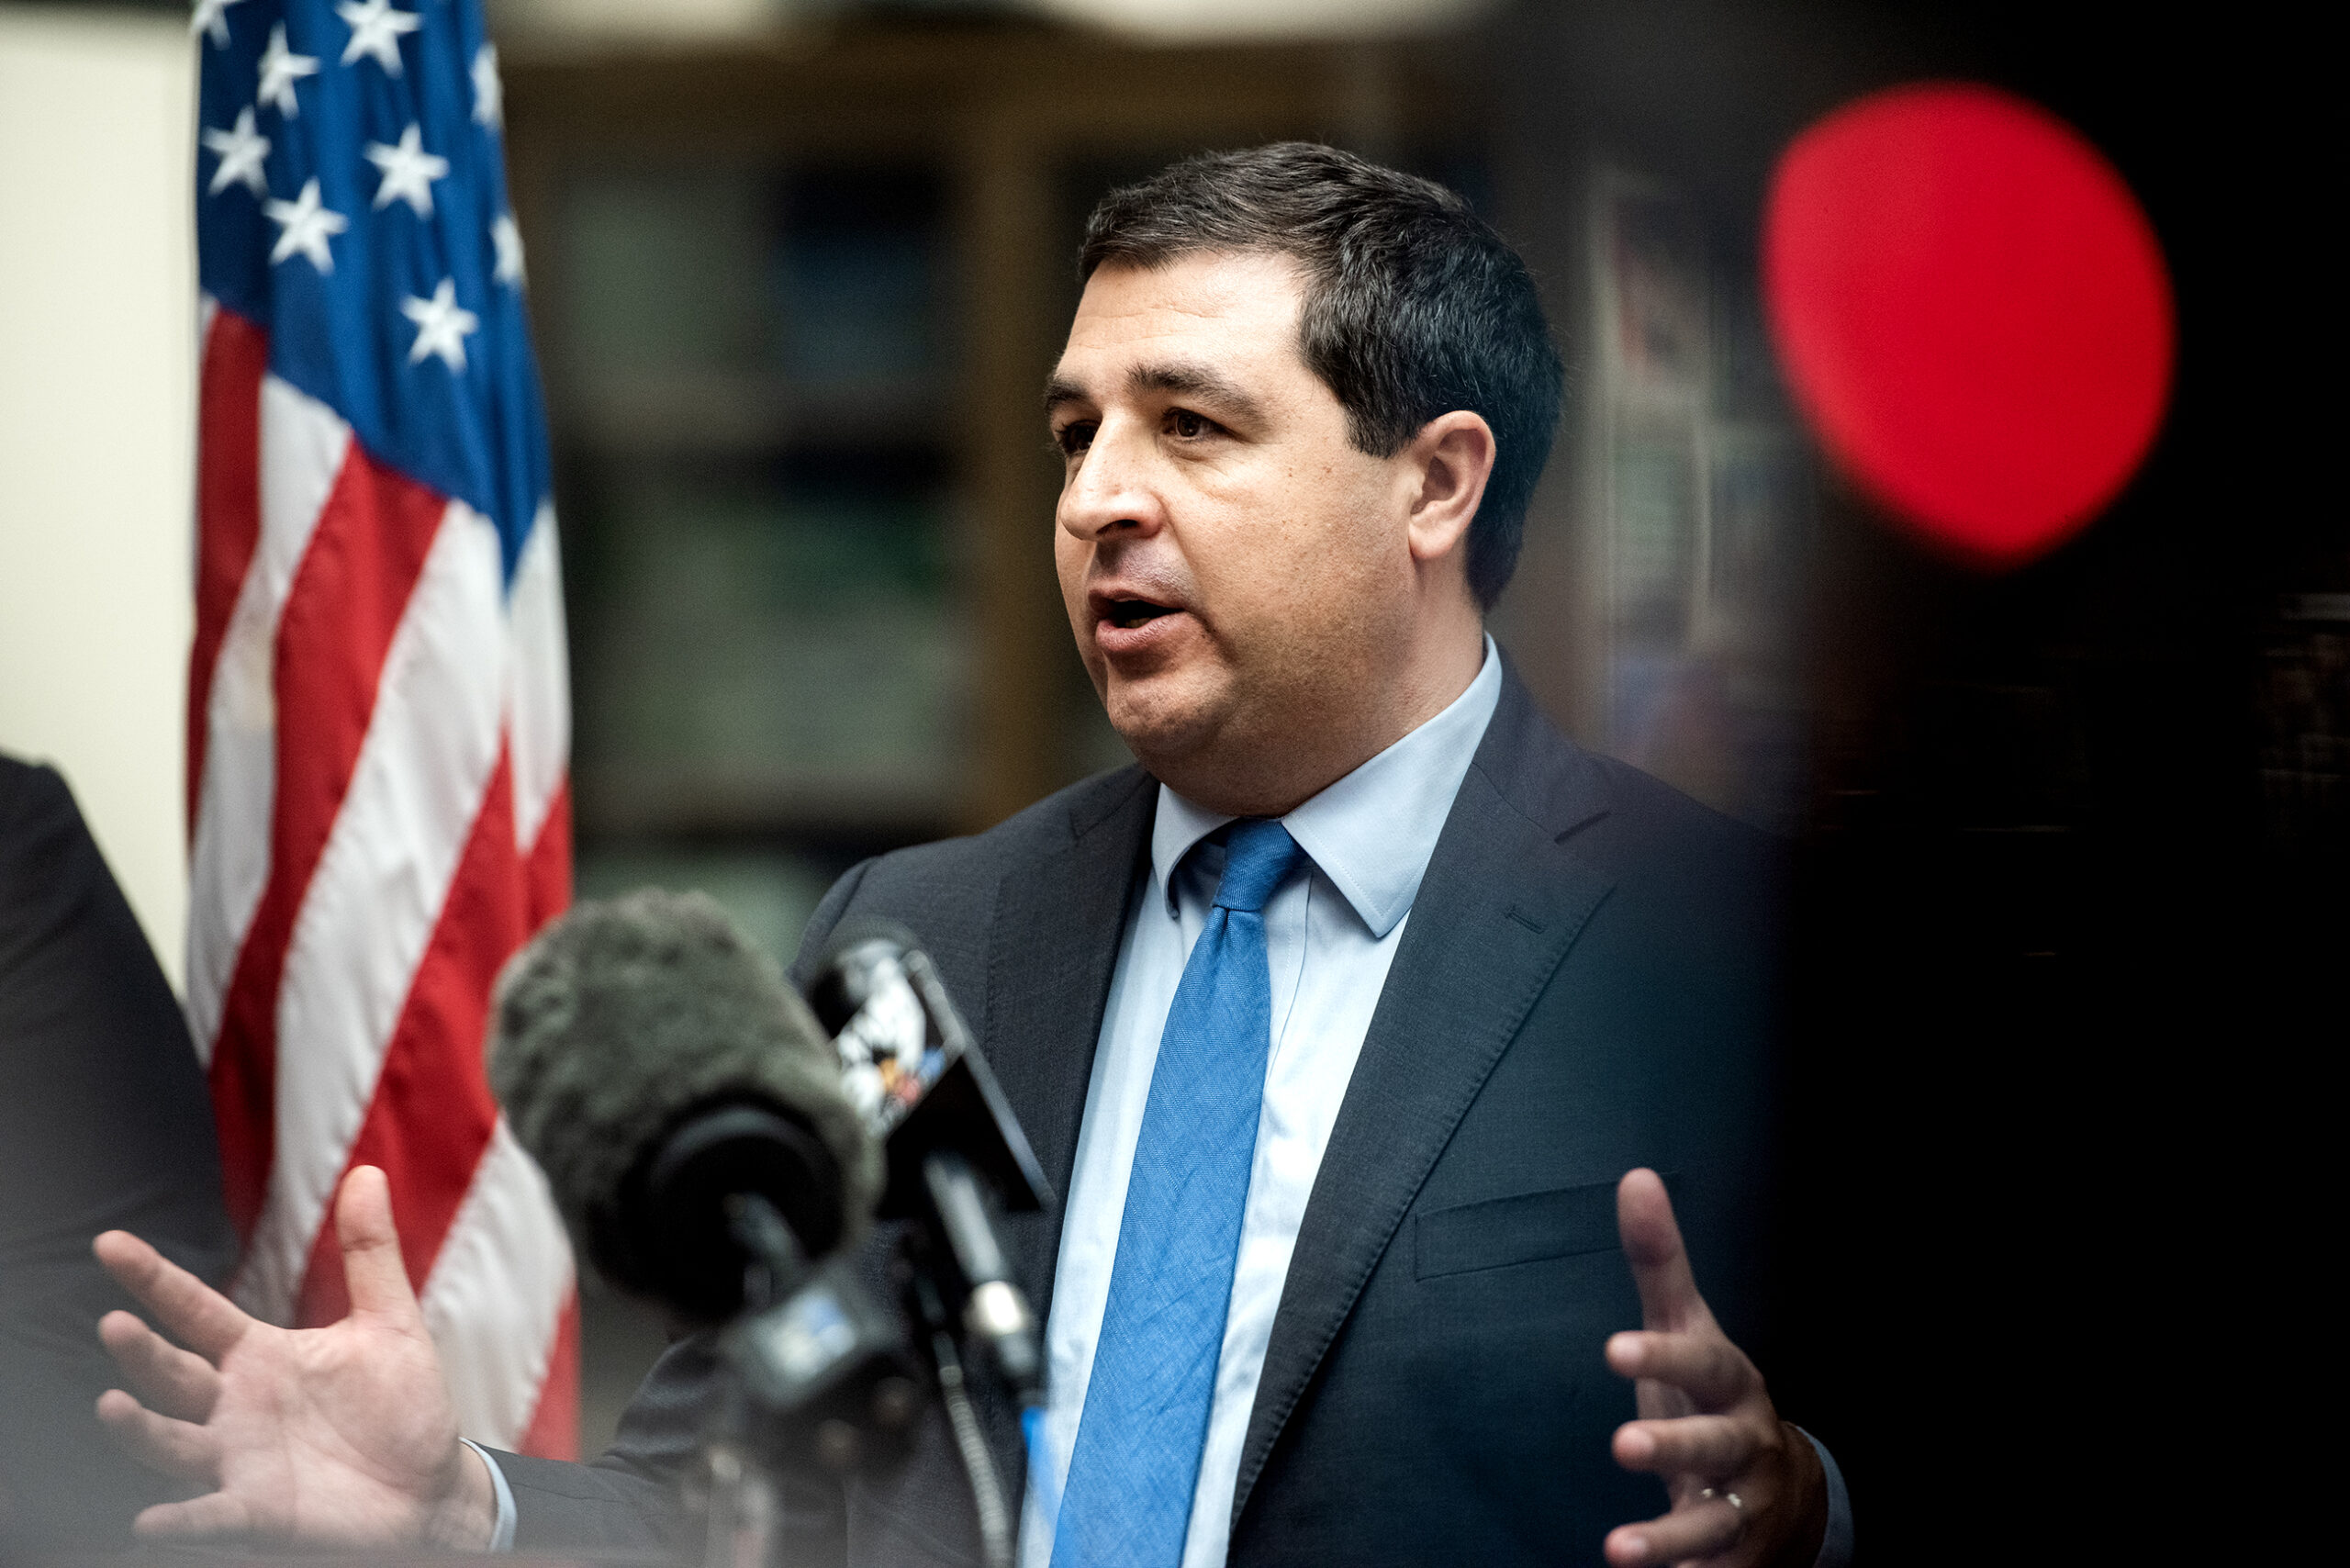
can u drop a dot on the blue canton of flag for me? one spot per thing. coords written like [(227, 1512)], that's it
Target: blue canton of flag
[(351, 201)]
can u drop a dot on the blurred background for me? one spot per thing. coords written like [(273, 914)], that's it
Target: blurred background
[(2068, 929)]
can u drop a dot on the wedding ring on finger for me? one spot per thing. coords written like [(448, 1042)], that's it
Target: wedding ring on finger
[(1709, 1493)]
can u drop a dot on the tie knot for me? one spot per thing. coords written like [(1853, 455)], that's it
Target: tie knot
[(1258, 852)]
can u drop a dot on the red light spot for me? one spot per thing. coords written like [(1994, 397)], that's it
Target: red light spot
[(1972, 310)]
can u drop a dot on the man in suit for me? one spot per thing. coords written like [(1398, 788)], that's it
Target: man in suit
[(1335, 1024)]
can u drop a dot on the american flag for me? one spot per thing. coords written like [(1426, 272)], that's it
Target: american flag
[(378, 709)]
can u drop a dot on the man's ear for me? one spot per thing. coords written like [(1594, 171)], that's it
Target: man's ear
[(1450, 460)]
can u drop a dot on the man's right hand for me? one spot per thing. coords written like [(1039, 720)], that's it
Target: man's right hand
[(336, 1435)]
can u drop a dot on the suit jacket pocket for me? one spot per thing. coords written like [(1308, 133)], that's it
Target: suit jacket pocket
[(1521, 1229)]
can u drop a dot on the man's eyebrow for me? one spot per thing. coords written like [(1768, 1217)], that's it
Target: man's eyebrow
[(1182, 380), (1196, 381)]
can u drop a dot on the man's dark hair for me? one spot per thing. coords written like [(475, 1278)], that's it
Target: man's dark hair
[(1413, 306)]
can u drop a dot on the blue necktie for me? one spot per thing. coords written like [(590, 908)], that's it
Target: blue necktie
[(1136, 1463)]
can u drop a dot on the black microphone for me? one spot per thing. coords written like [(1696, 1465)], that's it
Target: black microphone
[(955, 1151), (669, 1083)]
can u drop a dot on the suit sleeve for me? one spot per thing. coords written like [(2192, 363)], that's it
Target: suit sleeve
[(631, 1497), (640, 1493)]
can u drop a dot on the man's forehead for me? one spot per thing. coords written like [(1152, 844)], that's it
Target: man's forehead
[(1172, 327)]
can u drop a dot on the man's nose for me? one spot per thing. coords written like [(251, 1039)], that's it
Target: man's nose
[(1109, 495)]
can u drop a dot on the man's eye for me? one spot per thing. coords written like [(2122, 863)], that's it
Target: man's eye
[(1186, 425), (1074, 437)]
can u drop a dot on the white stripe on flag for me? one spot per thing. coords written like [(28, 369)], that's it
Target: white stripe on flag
[(373, 904), (539, 728), (303, 445), (495, 1292)]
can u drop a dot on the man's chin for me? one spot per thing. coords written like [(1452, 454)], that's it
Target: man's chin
[(1159, 726)]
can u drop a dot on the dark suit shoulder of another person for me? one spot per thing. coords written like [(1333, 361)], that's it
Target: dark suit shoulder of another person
[(105, 1123)]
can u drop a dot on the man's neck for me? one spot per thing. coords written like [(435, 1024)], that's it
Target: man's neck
[(1286, 776)]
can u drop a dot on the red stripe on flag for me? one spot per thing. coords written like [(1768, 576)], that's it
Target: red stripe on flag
[(553, 1431), (341, 610), (433, 1112), (547, 870), (228, 510)]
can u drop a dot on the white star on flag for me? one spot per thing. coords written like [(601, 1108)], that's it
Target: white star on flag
[(490, 93), (212, 17), (242, 150), (508, 238), (441, 325), (409, 171), (375, 29), (306, 226), (279, 68)]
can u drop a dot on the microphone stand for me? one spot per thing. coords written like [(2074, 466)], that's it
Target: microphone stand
[(745, 1508), (745, 1498), (818, 1373), (955, 1251), (970, 1444), (816, 1370)]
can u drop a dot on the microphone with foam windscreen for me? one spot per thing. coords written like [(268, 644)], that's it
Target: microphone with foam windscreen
[(662, 1073), (688, 1111), (705, 1140)]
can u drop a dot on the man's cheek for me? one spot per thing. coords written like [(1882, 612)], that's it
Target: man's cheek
[(1069, 564)]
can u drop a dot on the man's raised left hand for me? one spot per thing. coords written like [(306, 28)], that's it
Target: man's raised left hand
[(1746, 1489)]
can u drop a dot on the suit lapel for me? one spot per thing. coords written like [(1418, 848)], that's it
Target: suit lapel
[(1059, 917), (1499, 907)]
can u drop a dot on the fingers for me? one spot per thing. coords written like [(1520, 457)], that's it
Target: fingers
[(1714, 1447), (1714, 1372), (1652, 1240), (1695, 1529), (169, 1380), (371, 1246), (176, 1448), (214, 1513), (199, 1317)]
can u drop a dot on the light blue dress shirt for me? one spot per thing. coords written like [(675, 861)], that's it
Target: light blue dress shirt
[(1331, 932)]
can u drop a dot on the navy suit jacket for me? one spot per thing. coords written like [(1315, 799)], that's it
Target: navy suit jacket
[(1584, 987)]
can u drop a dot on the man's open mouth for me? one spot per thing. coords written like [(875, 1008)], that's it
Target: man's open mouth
[(1127, 614)]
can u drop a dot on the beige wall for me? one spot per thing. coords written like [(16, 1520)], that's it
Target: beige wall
[(96, 426)]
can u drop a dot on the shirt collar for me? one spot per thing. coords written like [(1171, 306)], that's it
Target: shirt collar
[(1372, 832)]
